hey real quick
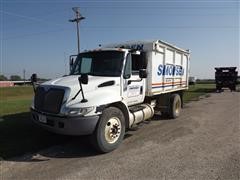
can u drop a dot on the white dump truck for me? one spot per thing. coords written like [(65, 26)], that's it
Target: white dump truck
[(112, 89)]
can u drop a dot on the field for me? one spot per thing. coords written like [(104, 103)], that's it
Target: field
[(18, 135)]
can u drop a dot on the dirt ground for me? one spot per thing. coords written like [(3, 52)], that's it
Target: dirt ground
[(204, 143)]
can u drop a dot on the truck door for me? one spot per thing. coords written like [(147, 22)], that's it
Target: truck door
[(133, 91)]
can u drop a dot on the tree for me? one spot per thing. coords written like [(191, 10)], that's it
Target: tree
[(15, 78), (3, 78)]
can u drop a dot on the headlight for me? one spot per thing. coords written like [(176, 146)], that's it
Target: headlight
[(79, 111)]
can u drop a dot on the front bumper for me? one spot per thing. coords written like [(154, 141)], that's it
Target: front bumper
[(66, 124)]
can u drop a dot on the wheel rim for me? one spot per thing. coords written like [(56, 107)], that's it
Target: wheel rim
[(177, 107), (113, 130)]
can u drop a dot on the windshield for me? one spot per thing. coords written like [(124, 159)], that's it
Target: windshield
[(99, 63)]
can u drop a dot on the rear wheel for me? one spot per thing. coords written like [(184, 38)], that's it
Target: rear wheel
[(175, 106), (110, 130)]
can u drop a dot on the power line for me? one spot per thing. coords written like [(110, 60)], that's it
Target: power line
[(126, 28), (159, 7), (121, 1), (28, 17), (46, 15), (129, 27), (119, 14), (161, 13), (35, 34), (102, 27), (162, 5)]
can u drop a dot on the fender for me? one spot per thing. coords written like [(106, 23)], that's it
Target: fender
[(123, 106)]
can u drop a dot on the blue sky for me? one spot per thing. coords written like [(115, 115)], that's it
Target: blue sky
[(36, 35)]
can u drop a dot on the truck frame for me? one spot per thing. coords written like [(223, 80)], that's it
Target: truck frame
[(112, 89)]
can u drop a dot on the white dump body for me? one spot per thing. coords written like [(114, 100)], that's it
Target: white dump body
[(167, 66)]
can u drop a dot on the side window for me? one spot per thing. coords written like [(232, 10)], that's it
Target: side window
[(86, 65), (137, 63), (128, 67)]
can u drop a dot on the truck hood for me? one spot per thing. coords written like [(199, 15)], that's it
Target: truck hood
[(97, 86), (93, 82)]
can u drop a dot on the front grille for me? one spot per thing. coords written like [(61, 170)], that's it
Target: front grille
[(48, 100)]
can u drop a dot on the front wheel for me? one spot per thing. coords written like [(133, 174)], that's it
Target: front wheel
[(110, 130)]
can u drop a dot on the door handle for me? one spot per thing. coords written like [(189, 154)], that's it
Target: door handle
[(137, 80)]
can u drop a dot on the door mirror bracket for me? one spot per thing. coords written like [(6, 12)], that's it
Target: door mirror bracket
[(143, 73)]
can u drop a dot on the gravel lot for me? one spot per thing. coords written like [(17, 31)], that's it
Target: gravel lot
[(204, 143)]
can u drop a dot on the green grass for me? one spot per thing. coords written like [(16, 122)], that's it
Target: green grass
[(18, 135), (15, 99), (197, 90), (16, 106), (19, 92)]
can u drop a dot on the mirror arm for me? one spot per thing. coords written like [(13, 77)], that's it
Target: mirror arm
[(34, 87), (76, 94), (80, 90), (34, 82), (83, 100)]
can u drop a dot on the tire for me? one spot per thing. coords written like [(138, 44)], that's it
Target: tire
[(175, 106), (110, 130)]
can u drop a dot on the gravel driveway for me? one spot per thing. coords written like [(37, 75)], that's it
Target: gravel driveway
[(204, 143)]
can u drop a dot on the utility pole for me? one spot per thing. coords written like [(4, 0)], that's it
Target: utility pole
[(78, 18)]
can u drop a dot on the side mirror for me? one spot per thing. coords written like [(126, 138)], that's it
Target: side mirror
[(83, 79), (143, 73), (71, 62), (72, 59), (34, 78), (143, 60)]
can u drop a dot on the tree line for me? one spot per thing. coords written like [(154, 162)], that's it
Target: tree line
[(11, 78), (17, 78)]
